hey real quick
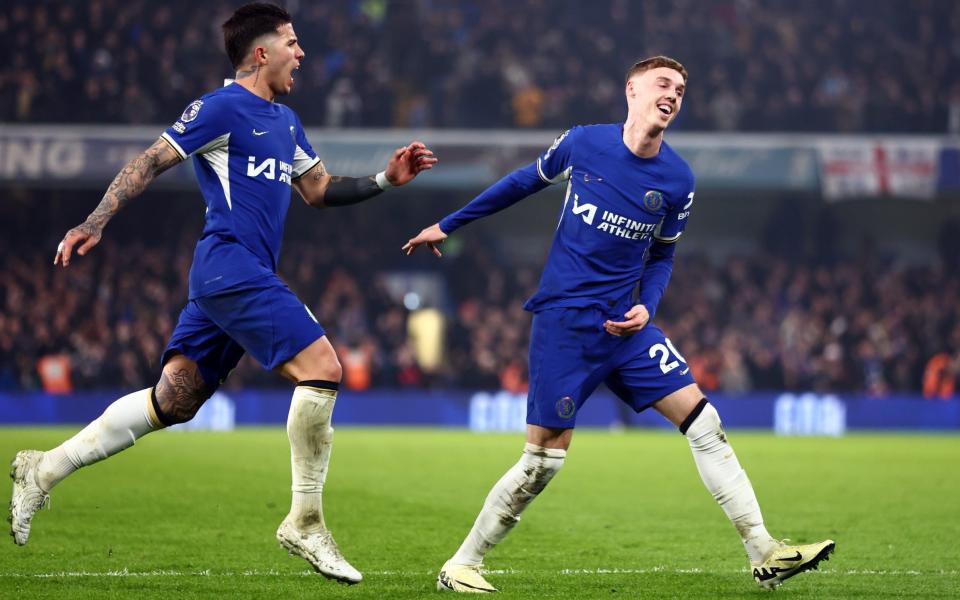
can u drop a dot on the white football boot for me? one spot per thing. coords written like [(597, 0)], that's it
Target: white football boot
[(464, 579), (27, 497), (320, 550), (787, 561)]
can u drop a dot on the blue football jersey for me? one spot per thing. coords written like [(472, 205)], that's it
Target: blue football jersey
[(246, 152), (616, 205)]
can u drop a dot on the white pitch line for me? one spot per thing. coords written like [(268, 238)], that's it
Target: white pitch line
[(610, 571)]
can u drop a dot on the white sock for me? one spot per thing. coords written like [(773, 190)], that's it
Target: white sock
[(727, 481), (509, 496), (311, 440), (120, 425)]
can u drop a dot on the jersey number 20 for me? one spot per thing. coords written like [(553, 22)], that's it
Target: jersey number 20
[(664, 352)]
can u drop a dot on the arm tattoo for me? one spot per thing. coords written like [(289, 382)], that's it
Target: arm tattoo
[(343, 191), (129, 183), (180, 393), (320, 172)]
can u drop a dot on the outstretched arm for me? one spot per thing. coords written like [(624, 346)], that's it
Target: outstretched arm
[(320, 189), (508, 191), (505, 193), (127, 185)]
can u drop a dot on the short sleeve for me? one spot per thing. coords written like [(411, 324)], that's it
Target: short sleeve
[(675, 221), (201, 128), (304, 158), (554, 165)]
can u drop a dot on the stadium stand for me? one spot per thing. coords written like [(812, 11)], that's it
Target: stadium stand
[(841, 323), (756, 66)]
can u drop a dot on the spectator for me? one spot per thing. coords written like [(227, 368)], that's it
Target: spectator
[(54, 370), (939, 377)]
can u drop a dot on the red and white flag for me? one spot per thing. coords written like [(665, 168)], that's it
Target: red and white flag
[(862, 167)]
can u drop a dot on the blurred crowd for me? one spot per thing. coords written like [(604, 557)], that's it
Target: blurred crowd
[(859, 324), (855, 325), (755, 65)]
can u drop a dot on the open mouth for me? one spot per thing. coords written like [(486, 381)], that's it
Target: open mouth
[(665, 109)]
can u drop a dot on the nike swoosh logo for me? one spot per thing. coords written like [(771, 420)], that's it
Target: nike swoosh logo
[(763, 574), (793, 558), (255, 132), (685, 371)]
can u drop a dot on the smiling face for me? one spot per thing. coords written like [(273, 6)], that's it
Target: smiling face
[(279, 55), (654, 96)]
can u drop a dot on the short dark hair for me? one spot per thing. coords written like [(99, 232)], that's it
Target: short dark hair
[(249, 22), (655, 62)]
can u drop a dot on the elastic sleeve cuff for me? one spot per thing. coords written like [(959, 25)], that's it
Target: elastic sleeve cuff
[(382, 182), (169, 139)]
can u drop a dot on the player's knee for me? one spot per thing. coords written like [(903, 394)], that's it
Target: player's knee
[(540, 465), (179, 395), (703, 426), (326, 367), (316, 362), (325, 371), (332, 369)]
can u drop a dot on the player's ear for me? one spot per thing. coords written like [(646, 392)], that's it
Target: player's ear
[(260, 55)]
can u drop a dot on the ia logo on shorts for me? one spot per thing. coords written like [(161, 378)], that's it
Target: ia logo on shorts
[(566, 407)]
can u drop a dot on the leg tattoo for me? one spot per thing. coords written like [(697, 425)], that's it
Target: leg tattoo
[(180, 393)]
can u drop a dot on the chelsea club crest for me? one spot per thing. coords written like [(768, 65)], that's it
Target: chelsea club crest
[(566, 407), (653, 200)]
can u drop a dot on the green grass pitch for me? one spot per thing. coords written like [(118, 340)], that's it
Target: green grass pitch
[(193, 515)]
